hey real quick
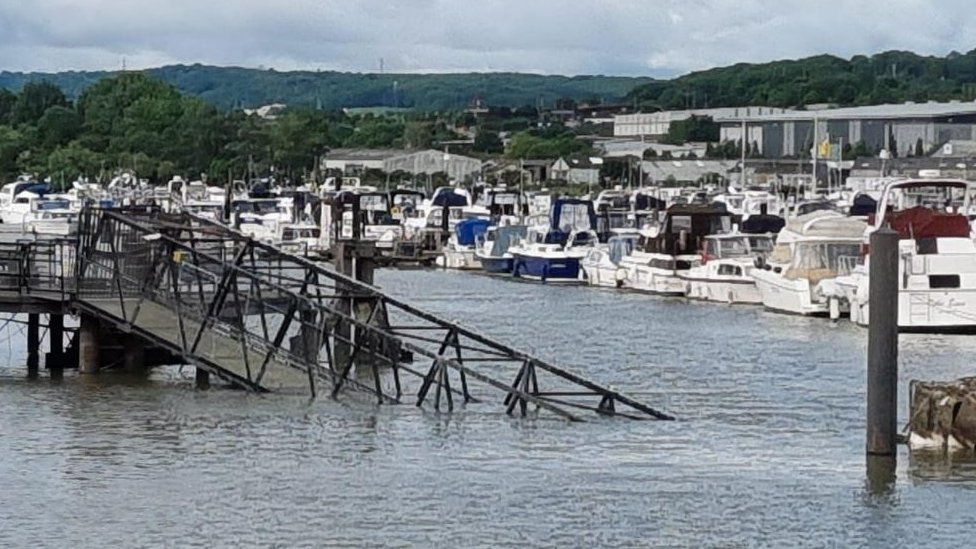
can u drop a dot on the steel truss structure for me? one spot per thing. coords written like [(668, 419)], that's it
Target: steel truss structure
[(266, 320)]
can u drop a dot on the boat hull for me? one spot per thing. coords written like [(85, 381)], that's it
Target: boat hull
[(546, 269), (783, 295), (496, 265), (724, 291), (458, 259)]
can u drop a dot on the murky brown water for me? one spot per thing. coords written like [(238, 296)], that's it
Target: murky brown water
[(768, 450)]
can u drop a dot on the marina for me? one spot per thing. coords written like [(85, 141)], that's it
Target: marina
[(744, 443), (630, 279)]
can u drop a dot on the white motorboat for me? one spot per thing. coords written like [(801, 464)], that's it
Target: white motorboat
[(937, 257), (812, 248), (666, 254), (725, 273), (601, 266)]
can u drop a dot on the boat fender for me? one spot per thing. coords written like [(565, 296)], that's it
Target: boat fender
[(621, 275)]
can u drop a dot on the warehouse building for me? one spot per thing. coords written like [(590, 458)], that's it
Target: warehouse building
[(903, 129), (657, 124), (430, 161)]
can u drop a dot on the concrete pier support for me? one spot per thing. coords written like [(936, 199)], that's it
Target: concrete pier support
[(355, 259), (882, 382), (88, 345), (33, 342)]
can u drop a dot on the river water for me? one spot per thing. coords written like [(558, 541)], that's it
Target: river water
[(767, 450)]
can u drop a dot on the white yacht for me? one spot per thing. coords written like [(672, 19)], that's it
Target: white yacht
[(937, 257), (725, 273), (668, 253), (812, 248), (601, 266)]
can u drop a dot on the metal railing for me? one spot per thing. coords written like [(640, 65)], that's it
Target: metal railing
[(38, 267), (283, 312)]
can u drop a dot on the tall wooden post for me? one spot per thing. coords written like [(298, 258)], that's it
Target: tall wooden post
[(882, 389)]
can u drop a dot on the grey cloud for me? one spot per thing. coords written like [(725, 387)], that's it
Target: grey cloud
[(661, 37)]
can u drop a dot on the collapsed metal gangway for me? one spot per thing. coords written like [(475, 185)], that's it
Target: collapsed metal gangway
[(271, 321)]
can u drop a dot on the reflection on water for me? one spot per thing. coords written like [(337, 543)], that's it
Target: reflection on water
[(954, 466), (768, 448)]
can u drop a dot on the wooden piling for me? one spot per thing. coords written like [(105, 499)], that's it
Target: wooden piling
[(55, 333), (202, 379), (882, 382), (33, 342)]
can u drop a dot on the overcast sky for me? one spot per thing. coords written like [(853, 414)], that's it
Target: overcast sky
[(626, 37)]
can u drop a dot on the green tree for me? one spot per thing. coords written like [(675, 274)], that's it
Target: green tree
[(693, 129), (57, 126), (34, 99), (72, 161), (7, 101), (11, 145), (487, 142), (418, 134)]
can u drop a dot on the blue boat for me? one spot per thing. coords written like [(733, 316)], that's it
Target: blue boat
[(492, 250), (552, 250)]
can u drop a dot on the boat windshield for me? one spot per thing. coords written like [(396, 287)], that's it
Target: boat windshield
[(53, 205), (621, 247), (820, 258), (295, 234), (760, 244), (373, 202), (937, 196)]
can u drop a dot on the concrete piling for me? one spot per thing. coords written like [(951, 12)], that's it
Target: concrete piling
[(882, 381), (88, 345)]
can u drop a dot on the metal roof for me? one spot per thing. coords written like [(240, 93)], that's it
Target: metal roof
[(883, 112)]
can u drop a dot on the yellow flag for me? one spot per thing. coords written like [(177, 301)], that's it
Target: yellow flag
[(824, 151)]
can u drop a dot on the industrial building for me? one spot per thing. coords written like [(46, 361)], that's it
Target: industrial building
[(430, 161), (902, 129), (657, 124)]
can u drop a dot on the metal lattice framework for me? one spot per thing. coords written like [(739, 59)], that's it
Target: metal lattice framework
[(267, 320)]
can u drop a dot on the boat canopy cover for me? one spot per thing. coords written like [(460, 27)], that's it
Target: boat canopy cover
[(468, 229), (505, 237), (450, 199), (40, 189), (759, 224), (647, 202), (921, 222), (568, 215), (826, 223), (863, 205)]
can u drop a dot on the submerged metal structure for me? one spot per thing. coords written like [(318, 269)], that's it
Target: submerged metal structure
[(265, 320)]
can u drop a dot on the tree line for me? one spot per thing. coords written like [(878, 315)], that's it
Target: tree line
[(889, 77), (133, 121)]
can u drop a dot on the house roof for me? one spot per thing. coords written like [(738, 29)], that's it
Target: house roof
[(685, 170), (363, 154)]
